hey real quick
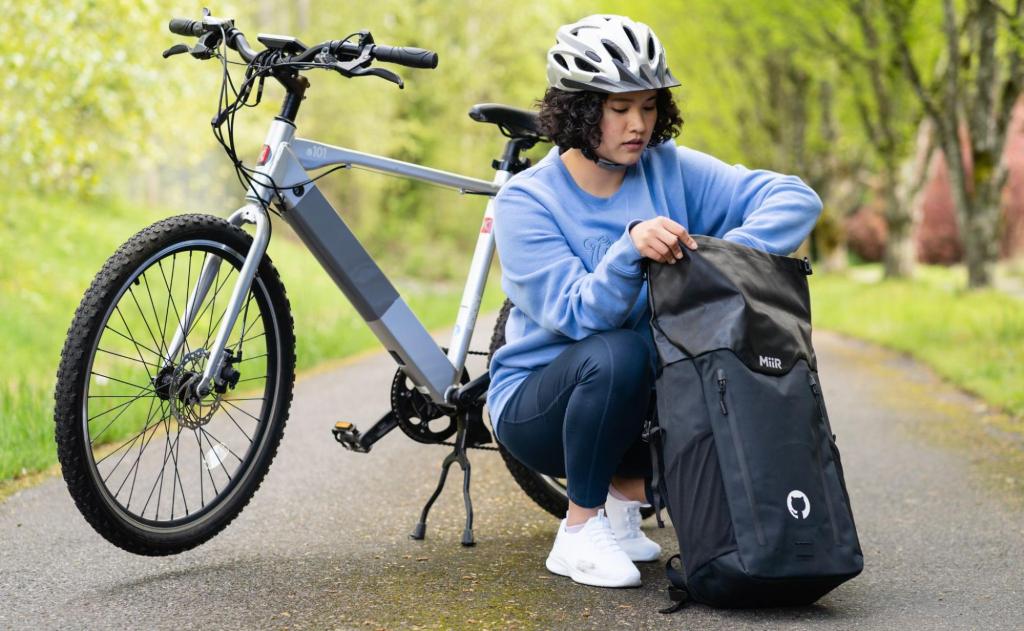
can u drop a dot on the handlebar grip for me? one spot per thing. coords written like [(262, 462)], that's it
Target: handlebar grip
[(185, 26), (406, 56)]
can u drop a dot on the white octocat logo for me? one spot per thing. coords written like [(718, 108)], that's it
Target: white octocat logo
[(770, 362), (798, 504)]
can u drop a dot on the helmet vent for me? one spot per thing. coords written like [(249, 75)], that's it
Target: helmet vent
[(632, 38), (584, 65), (650, 48), (561, 61), (614, 51)]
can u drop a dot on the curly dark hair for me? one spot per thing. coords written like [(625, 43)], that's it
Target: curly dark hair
[(572, 120)]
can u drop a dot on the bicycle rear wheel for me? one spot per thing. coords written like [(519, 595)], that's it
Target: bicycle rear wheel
[(153, 468)]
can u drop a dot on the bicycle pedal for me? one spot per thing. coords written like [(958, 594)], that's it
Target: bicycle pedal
[(347, 434)]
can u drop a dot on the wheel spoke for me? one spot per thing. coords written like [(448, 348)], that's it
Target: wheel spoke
[(152, 336), (131, 359), (128, 448), (209, 436), (92, 442), (120, 405), (133, 341), (134, 385), (209, 469), (255, 418), (170, 301), (177, 477), (249, 438)]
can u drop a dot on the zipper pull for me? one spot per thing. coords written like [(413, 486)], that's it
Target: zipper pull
[(813, 382), (721, 392)]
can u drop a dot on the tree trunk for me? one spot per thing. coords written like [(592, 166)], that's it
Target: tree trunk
[(906, 196), (899, 246)]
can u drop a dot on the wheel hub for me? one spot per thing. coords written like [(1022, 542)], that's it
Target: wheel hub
[(178, 385)]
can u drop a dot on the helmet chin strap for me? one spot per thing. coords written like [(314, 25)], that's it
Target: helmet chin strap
[(611, 166)]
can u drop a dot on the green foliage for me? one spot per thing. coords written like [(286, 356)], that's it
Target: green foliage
[(973, 338), (72, 89)]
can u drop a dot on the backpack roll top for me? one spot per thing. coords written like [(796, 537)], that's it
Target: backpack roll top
[(751, 473)]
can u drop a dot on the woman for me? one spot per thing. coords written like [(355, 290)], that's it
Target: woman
[(571, 388)]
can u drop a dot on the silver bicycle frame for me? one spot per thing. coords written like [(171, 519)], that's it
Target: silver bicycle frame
[(345, 260)]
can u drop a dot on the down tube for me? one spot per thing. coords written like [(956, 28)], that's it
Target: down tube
[(371, 293)]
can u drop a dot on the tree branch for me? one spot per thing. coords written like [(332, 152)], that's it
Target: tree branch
[(1013, 19), (981, 109), (897, 28)]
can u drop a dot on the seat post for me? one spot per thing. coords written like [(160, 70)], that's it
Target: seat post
[(510, 160)]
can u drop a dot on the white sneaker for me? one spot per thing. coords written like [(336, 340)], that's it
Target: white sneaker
[(591, 556), (625, 520)]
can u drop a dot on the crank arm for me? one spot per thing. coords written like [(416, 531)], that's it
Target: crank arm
[(350, 438)]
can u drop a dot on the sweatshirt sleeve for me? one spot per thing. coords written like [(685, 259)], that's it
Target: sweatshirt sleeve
[(549, 283), (757, 208)]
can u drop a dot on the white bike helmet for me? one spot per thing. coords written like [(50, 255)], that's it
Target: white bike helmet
[(607, 53)]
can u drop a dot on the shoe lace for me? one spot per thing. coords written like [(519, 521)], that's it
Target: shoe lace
[(603, 538), (633, 520)]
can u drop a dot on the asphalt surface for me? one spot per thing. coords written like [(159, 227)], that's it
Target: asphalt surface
[(324, 543)]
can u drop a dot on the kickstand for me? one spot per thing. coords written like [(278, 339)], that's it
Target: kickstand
[(458, 454)]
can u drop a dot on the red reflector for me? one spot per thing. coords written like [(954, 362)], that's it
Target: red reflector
[(487, 225), (264, 155)]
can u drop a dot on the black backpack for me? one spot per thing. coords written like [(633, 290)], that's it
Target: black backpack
[(749, 469)]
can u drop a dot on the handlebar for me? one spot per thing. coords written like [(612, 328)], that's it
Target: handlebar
[(186, 27), (402, 55), (406, 56)]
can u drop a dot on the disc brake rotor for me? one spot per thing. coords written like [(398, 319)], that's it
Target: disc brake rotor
[(187, 408)]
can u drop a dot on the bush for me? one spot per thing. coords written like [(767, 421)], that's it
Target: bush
[(866, 234)]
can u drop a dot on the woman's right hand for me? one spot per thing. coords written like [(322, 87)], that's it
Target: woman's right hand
[(658, 239)]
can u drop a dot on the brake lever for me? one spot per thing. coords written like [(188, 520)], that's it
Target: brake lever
[(177, 49), (359, 67), (382, 73)]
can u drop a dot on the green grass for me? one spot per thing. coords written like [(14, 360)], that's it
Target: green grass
[(975, 339), (50, 249)]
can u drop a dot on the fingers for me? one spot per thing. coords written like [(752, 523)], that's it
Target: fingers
[(661, 239), (658, 251), (673, 251), (679, 231)]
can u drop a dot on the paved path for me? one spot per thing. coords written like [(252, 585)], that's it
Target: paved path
[(324, 545)]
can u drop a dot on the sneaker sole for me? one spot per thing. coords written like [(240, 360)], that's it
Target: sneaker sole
[(557, 566), (642, 559)]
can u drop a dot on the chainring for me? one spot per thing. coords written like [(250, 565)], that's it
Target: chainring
[(415, 411)]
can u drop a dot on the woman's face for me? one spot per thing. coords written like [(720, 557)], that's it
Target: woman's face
[(627, 123)]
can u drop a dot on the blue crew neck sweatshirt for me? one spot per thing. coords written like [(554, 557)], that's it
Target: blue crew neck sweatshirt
[(570, 267)]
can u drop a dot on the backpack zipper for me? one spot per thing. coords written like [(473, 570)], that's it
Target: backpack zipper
[(741, 458), (721, 392), (821, 407), (817, 451)]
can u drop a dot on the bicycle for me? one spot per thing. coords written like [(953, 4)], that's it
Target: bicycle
[(186, 336)]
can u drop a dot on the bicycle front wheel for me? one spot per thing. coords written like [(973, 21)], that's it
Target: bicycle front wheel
[(154, 468)]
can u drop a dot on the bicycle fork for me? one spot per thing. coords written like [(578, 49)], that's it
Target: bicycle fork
[(250, 213)]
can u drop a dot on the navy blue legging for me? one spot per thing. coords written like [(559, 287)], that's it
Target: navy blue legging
[(581, 416)]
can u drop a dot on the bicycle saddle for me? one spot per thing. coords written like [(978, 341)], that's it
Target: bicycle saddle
[(513, 122)]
